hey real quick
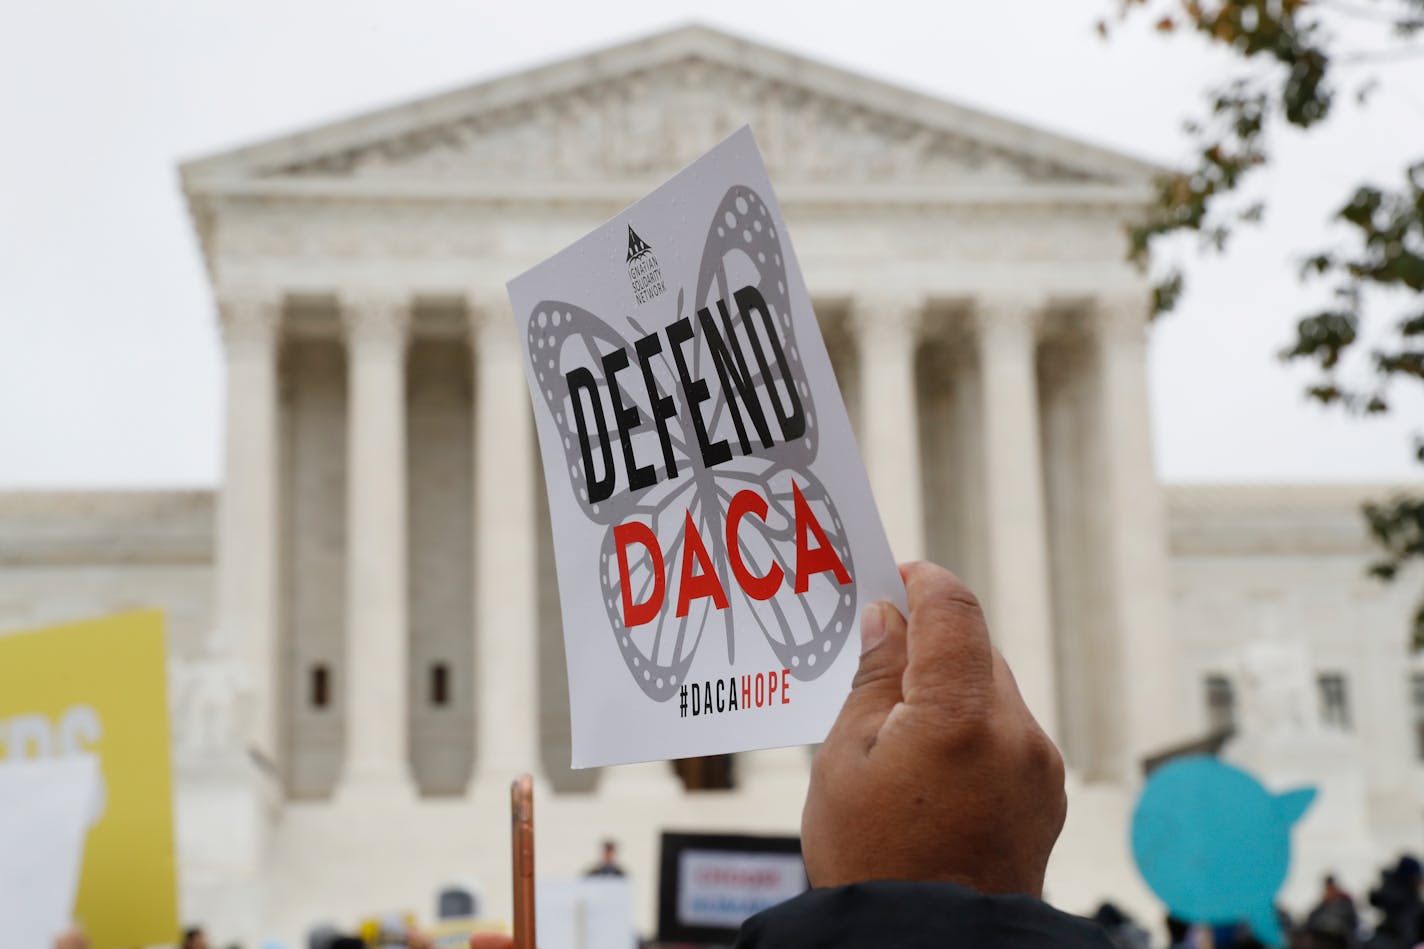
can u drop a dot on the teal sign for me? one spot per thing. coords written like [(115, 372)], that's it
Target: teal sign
[(1214, 845)]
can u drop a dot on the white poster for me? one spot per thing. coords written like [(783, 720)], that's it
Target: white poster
[(714, 532), (590, 913), (46, 807)]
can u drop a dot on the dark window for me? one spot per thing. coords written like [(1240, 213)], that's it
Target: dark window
[(1416, 683), (439, 685), (1334, 700), (709, 773), (320, 685), (456, 902), (1220, 703)]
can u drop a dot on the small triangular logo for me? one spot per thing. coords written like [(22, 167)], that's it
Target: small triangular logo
[(637, 247)]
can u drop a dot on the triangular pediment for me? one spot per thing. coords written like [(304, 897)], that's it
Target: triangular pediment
[(645, 109)]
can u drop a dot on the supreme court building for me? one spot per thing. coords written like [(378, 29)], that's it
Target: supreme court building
[(363, 652)]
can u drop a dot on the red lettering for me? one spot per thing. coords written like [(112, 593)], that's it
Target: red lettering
[(785, 699), (636, 532), (771, 685), (746, 691), (758, 588), (760, 690), (813, 560), (698, 574), (703, 582)]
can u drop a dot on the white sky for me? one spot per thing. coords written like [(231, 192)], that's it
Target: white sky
[(110, 370)]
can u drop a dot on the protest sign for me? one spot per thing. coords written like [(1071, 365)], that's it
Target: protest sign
[(592, 913), (714, 532), (709, 884), (46, 807), (100, 687)]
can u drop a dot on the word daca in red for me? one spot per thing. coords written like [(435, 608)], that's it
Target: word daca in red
[(698, 576), (757, 691), (750, 879)]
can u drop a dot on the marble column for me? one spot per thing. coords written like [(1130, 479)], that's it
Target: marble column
[(887, 333), (247, 547), (1135, 524), (377, 754), (506, 557), (1017, 594)]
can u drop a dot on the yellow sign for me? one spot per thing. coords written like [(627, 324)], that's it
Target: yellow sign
[(101, 686)]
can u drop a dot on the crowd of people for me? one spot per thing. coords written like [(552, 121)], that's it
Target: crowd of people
[(1337, 921), (934, 805), (1393, 920)]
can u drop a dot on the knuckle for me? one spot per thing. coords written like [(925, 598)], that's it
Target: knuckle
[(962, 600), (966, 737), (951, 605), (873, 672), (1045, 763), (931, 581), (1042, 754)]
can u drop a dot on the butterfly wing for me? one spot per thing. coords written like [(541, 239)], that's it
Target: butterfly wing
[(563, 337), (744, 249), (658, 653), (805, 630)]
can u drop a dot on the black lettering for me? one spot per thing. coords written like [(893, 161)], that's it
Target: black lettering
[(664, 407), (732, 694), (581, 380), (695, 391), (626, 418), (792, 417), (721, 695), (707, 698), (696, 705), (736, 379)]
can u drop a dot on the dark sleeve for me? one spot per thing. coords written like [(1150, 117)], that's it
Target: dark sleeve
[(911, 915)]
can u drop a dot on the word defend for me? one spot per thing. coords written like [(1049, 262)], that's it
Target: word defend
[(744, 399)]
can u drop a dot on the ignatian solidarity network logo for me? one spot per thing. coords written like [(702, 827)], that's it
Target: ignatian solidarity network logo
[(643, 269)]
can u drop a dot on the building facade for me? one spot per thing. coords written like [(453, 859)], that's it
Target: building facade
[(365, 633)]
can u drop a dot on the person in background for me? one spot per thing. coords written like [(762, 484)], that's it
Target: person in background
[(194, 938), (934, 802), (608, 866), (1397, 898), (1122, 930), (1183, 935), (1334, 923)]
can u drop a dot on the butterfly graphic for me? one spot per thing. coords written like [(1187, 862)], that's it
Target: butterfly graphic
[(805, 632)]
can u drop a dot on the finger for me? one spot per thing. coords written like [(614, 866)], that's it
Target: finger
[(876, 688), (951, 660)]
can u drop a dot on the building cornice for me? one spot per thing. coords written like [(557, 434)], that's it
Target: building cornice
[(1099, 197), (147, 527), (1273, 519)]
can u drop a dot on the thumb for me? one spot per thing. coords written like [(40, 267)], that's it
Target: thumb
[(876, 688)]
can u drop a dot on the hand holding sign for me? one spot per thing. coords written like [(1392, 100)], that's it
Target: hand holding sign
[(935, 769)]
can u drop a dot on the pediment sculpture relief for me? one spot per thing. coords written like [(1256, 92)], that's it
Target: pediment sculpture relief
[(651, 123)]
